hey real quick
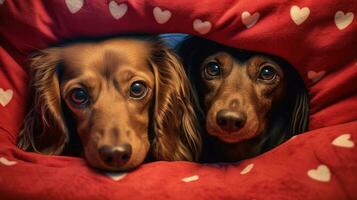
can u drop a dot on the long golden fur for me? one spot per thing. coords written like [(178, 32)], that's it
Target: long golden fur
[(168, 116)]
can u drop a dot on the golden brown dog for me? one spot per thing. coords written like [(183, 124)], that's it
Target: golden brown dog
[(251, 101), (127, 98)]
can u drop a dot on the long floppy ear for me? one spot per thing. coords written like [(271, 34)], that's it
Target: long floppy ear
[(44, 129), (300, 113), (298, 98), (292, 115), (175, 124), (192, 51)]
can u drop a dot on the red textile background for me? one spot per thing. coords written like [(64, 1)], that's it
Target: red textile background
[(319, 38)]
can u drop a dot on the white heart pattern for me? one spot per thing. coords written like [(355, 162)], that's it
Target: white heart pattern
[(250, 20), (190, 179), (161, 16), (315, 76), (5, 96), (342, 20), (74, 5), (117, 11), (7, 162), (292, 138), (299, 15), (247, 169), (2, 1), (203, 27), (343, 140), (116, 176), (322, 173)]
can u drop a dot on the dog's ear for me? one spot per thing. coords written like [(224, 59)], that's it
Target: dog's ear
[(291, 117), (175, 124), (44, 129), (300, 112)]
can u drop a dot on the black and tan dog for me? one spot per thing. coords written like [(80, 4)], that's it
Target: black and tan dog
[(251, 102)]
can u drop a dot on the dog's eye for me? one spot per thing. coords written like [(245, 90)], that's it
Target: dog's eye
[(138, 90), (213, 69), (79, 97), (267, 73)]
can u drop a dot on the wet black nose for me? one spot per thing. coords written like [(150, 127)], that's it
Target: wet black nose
[(115, 156), (230, 120)]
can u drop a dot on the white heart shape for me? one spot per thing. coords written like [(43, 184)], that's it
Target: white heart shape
[(190, 178), (117, 11), (5, 96), (7, 162), (2, 1), (250, 20), (315, 76), (247, 169), (116, 176), (343, 141), (161, 16), (74, 5), (202, 27), (322, 173), (292, 138), (342, 20), (299, 15)]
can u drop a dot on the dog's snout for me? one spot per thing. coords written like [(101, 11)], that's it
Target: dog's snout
[(230, 121), (115, 156)]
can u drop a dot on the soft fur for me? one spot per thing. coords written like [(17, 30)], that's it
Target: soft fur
[(161, 126), (265, 112)]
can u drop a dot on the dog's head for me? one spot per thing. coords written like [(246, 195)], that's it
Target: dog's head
[(245, 95), (125, 97)]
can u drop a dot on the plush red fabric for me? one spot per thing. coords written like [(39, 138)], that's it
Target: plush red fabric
[(318, 37)]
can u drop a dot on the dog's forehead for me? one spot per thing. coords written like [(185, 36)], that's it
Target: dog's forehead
[(258, 59), (241, 58), (120, 51), (107, 57)]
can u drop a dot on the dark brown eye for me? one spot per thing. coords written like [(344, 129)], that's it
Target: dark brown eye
[(138, 90), (267, 73), (213, 69), (79, 97)]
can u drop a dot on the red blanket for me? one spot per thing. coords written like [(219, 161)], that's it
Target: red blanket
[(319, 38)]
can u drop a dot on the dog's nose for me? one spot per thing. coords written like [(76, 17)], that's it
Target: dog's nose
[(115, 156), (230, 120)]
